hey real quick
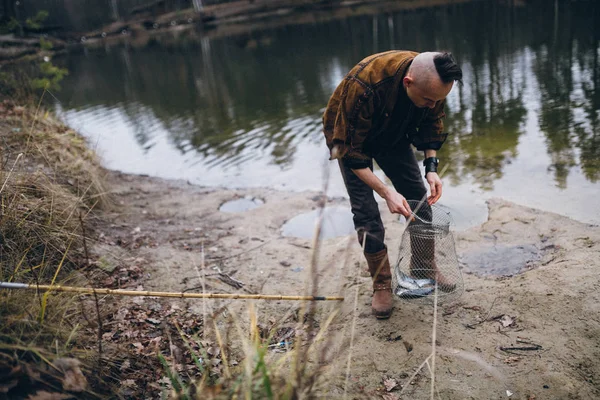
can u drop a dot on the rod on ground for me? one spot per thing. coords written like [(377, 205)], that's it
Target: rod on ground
[(181, 295)]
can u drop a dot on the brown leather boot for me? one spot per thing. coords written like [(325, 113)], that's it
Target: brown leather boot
[(423, 265), (429, 270), (379, 268)]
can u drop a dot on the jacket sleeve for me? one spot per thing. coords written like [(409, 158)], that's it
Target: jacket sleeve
[(353, 123), (429, 133)]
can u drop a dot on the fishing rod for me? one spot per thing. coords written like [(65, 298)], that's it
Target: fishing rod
[(179, 295)]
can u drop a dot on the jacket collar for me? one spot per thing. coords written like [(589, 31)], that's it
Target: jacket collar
[(395, 95)]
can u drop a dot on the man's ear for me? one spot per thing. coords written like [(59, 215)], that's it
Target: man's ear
[(407, 81)]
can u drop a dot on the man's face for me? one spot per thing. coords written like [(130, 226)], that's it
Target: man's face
[(425, 93)]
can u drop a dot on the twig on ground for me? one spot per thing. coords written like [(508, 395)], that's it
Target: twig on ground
[(223, 277), (434, 339), (240, 253), (203, 282), (521, 348), (37, 282), (100, 331), (354, 318), (99, 317), (487, 317), (83, 235), (35, 117), (432, 355), (10, 172), (83, 313), (311, 286), (436, 389), (407, 384), (302, 246)]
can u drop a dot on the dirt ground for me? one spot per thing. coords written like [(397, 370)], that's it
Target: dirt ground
[(553, 303)]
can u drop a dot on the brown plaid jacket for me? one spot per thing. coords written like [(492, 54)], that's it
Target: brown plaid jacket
[(370, 110)]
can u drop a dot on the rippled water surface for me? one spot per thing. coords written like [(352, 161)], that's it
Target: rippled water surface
[(245, 110)]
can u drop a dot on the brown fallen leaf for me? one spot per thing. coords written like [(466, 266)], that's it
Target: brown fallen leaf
[(6, 386), (389, 384), (128, 383), (507, 321), (512, 360), (139, 348), (125, 366), (74, 380)]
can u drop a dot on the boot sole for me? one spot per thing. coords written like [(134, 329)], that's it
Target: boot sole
[(382, 316), (447, 288)]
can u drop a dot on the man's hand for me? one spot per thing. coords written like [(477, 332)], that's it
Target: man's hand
[(397, 204), (435, 183)]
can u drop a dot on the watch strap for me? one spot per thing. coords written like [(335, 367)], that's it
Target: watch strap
[(431, 164)]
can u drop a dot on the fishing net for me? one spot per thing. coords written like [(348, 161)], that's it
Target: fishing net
[(427, 256)]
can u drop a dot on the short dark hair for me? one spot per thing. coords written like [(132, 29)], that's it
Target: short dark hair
[(447, 68)]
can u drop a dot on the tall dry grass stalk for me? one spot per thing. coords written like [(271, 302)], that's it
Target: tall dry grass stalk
[(54, 179), (301, 371)]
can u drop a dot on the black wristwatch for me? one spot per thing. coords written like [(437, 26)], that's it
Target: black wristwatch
[(431, 164)]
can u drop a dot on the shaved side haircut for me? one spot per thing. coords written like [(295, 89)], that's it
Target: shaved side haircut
[(447, 68), (431, 65)]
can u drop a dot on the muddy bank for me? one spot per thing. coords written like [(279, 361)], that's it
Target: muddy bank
[(240, 18), (550, 307)]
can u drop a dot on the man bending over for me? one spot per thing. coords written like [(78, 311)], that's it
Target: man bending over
[(387, 102)]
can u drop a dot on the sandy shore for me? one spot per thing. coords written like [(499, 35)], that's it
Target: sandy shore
[(553, 303)]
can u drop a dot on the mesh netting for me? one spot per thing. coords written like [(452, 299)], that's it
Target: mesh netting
[(427, 256)]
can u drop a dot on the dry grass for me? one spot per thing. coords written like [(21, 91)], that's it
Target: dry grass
[(45, 193), (262, 372), (50, 182)]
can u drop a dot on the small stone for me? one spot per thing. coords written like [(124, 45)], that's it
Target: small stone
[(285, 263)]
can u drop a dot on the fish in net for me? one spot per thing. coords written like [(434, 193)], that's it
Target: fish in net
[(427, 257)]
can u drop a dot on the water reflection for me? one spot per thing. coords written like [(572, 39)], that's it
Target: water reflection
[(567, 70), (252, 103)]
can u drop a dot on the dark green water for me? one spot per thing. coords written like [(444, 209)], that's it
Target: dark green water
[(245, 110)]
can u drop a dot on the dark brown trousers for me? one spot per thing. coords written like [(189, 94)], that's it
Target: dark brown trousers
[(400, 165)]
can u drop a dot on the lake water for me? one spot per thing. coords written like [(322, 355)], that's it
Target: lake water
[(245, 110)]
